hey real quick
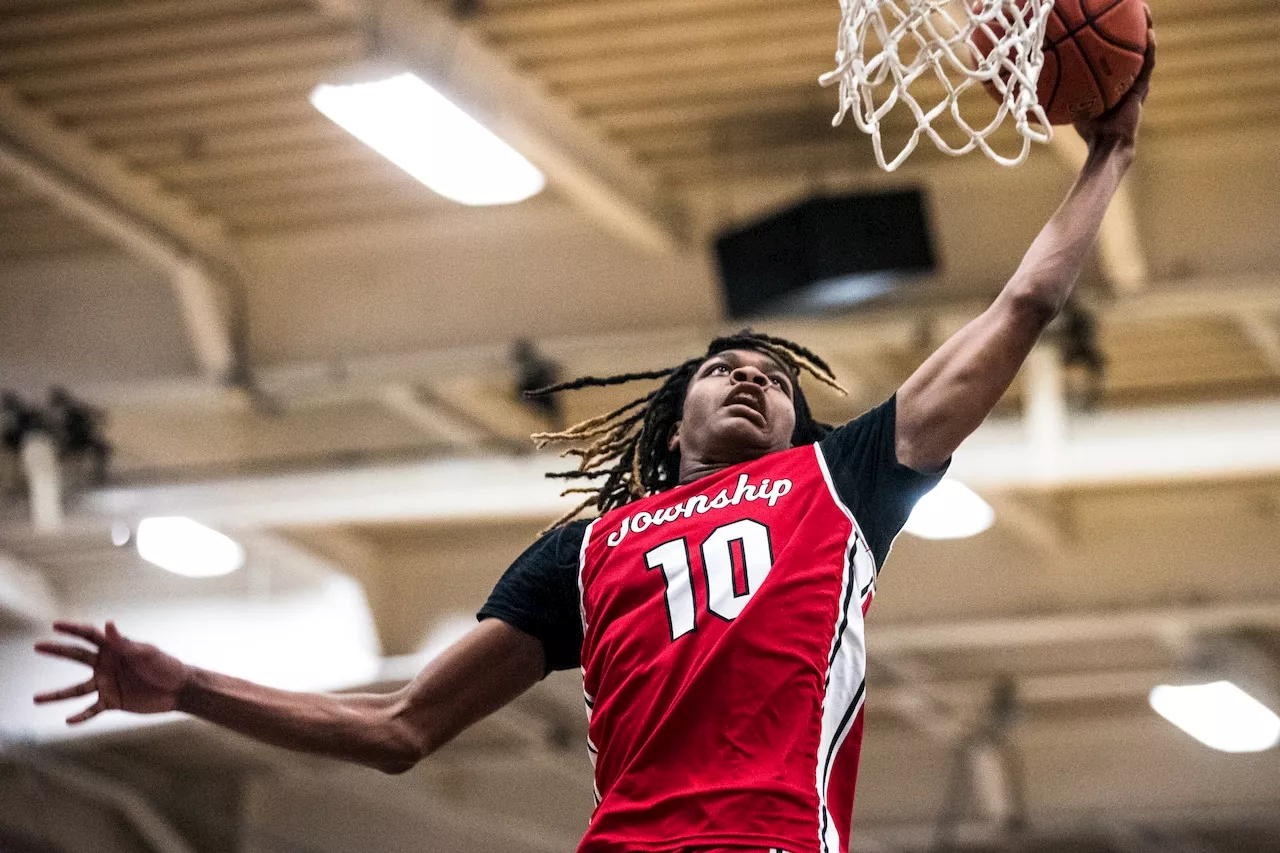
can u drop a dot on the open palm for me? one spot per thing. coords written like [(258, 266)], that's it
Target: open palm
[(127, 676)]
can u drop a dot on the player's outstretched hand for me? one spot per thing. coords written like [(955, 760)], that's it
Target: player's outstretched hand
[(1120, 124), (127, 676)]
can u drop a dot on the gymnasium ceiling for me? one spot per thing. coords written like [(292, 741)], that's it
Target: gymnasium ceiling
[(173, 211)]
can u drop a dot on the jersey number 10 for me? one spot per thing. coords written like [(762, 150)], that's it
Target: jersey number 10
[(736, 558)]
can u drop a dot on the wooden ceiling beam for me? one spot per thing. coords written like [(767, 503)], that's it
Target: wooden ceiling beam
[(77, 19), (722, 83), (747, 109), (574, 76), (313, 188), (502, 23), (19, 243), (434, 419), (755, 103), (292, 84), (33, 214), (583, 165), (140, 217), (1191, 93), (340, 154), (136, 72), (1113, 447), (843, 152), (181, 37), (744, 30), (1227, 111), (337, 209), (1217, 26), (1256, 53), (1041, 630), (664, 66), (191, 123), (143, 197), (312, 131)]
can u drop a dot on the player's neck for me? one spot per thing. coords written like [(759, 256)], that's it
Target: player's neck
[(696, 469)]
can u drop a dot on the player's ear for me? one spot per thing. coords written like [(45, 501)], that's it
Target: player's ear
[(673, 443)]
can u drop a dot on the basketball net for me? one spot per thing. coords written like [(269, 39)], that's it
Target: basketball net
[(924, 55)]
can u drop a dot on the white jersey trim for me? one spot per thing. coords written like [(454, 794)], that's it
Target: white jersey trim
[(582, 564), (588, 700), (845, 685)]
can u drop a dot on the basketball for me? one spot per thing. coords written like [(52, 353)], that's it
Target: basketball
[(1094, 50)]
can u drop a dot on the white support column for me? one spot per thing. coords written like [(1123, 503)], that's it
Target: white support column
[(1119, 250), (1045, 410), (205, 319), (993, 784), (39, 457)]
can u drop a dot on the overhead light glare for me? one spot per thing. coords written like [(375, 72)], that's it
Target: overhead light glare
[(426, 135), (187, 548), (951, 511), (121, 533), (1218, 714)]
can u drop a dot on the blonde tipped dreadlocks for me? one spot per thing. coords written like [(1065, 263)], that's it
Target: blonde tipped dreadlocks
[(627, 448)]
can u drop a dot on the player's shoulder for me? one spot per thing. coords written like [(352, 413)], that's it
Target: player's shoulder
[(568, 536), (867, 427), (554, 548)]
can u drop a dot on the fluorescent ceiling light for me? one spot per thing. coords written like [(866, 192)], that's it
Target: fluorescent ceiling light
[(186, 547), (1219, 715), (950, 511), (422, 132)]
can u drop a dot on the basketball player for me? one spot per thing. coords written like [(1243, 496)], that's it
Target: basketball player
[(716, 604)]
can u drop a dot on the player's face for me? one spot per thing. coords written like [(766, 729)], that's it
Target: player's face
[(738, 407)]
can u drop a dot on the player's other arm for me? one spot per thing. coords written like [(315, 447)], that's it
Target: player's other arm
[(473, 678), (946, 399)]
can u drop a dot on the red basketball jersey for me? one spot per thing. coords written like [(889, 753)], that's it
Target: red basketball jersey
[(723, 661), (719, 630)]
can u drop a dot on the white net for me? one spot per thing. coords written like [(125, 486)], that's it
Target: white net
[(904, 65)]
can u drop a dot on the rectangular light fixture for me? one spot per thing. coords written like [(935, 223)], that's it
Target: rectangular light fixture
[(426, 135), (186, 547), (1219, 714)]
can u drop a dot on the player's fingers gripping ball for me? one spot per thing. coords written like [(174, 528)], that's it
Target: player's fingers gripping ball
[(1094, 51)]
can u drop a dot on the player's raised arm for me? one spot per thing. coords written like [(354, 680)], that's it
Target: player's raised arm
[(476, 676), (946, 399)]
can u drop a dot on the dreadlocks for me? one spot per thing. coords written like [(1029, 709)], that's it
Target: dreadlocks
[(628, 448)]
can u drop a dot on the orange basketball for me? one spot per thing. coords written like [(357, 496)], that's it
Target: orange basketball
[(1093, 50)]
